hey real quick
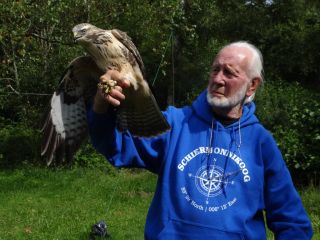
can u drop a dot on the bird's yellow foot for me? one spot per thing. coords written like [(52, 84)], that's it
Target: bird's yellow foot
[(107, 85)]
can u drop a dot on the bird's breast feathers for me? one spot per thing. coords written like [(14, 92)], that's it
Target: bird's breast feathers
[(109, 53)]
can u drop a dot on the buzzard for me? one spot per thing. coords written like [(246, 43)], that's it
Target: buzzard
[(65, 127)]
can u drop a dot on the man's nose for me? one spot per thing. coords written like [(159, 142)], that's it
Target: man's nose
[(217, 77)]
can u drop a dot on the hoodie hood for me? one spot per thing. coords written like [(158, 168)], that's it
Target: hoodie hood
[(204, 111)]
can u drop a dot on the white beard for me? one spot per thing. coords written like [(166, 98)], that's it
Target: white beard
[(228, 102)]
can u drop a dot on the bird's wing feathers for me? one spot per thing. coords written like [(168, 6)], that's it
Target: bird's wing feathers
[(139, 112), (127, 42), (65, 126), (141, 115)]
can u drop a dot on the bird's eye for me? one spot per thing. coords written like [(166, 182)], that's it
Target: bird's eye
[(83, 30)]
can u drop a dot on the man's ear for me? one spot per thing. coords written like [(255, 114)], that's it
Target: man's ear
[(253, 86)]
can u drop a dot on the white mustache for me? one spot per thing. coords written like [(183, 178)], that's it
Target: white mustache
[(214, 87)]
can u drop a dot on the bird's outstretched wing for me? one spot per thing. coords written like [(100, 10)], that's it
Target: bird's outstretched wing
[(65, 125)]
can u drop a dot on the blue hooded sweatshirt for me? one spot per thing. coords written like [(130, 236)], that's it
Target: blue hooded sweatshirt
[(214, 181)]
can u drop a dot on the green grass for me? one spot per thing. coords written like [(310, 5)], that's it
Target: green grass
[(311, 200), (63, 204)]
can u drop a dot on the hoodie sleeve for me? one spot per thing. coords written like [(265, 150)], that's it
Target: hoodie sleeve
[(285, 213), (122, 149)]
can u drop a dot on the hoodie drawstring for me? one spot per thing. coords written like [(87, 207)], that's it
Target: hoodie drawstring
[(212, 143)]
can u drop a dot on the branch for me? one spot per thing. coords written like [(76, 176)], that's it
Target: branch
[(50, 40), (15, 67), (13, 90), (26, 93)]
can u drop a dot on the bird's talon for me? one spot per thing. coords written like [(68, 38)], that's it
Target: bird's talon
[(107, 85)]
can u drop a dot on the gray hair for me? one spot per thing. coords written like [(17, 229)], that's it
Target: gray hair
[(255, 68)]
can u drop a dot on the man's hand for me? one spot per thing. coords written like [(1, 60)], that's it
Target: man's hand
[(114, 96)]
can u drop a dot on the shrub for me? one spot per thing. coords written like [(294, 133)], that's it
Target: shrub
[(18, 145), (88, 157), (21, 145), (292, 114)]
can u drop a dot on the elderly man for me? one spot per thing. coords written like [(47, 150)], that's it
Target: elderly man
[(218, 168)]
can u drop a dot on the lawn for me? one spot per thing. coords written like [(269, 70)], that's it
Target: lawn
[(63, 204)]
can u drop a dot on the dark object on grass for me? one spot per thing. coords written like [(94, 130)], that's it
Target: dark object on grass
[(99, 230)]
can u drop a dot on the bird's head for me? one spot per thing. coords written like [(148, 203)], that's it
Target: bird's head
[(82, 32)]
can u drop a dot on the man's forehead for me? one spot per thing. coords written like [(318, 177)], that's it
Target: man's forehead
[(233, 56)]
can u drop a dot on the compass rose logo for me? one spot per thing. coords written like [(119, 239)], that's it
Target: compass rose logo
[(210, 183)]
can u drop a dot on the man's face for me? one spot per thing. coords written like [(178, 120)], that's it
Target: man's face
[(229, 82)]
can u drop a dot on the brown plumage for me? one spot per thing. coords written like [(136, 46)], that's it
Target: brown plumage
[(65, 126)]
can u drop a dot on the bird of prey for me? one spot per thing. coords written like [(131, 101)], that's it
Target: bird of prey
[(65, 126)]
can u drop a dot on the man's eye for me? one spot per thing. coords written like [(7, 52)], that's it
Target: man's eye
[(228, 72), (215, 70)]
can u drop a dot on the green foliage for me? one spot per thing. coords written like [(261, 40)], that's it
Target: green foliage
[(310, 196), (36, 46), (18, 144), (292, 114), (88, 157), (292, 41)]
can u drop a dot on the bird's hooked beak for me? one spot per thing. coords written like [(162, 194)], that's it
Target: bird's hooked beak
[(76, 36)]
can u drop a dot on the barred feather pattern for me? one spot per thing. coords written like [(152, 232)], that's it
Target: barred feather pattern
[(65, 125)]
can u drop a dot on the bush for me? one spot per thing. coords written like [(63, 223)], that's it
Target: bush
[(18, 145), (292, 114), (88, 157)]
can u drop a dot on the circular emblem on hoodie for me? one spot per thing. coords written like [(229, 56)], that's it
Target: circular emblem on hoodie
[(211, 176), (210, 183)]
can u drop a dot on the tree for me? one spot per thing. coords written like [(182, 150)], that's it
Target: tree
[(177, 41)]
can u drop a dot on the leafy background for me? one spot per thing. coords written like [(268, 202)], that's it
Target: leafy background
[(178, 38)]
